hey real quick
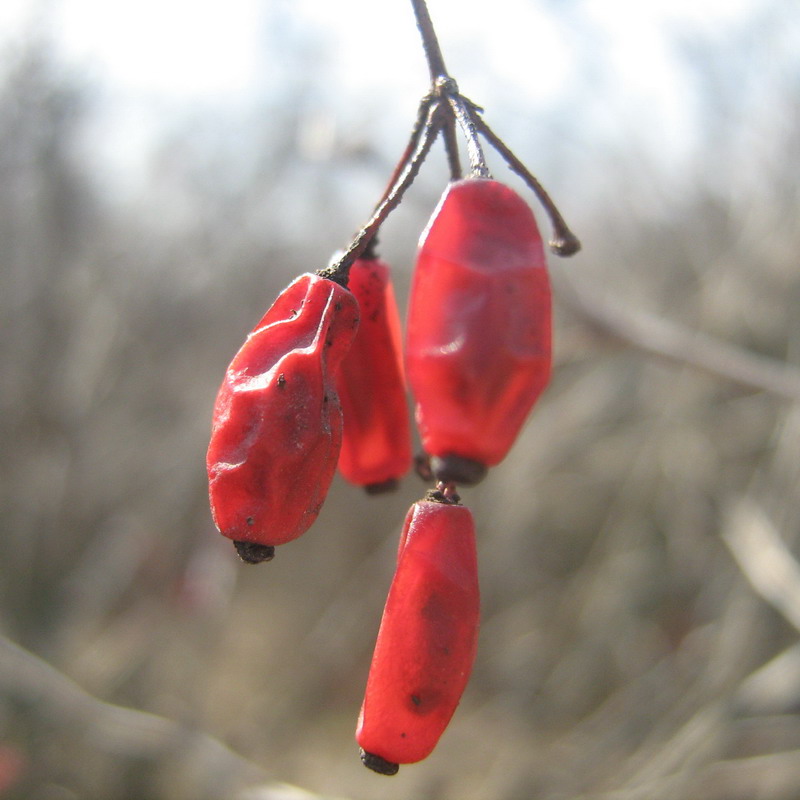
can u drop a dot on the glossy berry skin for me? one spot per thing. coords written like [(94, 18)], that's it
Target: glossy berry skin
[(427, 639), (376, 446), (479, 323), (277, 423)]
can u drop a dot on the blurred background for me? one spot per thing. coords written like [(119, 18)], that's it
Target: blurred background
[(165, 169)]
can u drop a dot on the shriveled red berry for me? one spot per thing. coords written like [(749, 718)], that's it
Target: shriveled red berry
[(479, 326), (376, 445), (277, 422), (427, 639)]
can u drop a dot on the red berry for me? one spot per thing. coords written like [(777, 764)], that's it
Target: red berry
[(479, 323), (277, 423), (427, 639), (376, 446)]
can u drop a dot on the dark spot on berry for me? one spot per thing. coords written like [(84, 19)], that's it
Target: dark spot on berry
[(281, 380), (416, 699), (378, 764), (251, 521), (337, 307)]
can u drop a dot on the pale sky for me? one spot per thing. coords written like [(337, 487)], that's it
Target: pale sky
[(201, 48), (152, 55)]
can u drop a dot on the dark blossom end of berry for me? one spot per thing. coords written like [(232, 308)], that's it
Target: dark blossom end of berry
[(457, 469), (378, 764), (383, 487), (254, 553)]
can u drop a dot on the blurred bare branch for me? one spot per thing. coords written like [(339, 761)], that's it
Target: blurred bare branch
[(668, 340), (623, 654), (774, 688), (212, 768), (764, 558), (774, 776)]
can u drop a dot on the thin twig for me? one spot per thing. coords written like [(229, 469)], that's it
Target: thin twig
[(339, 270), (423, 112), (564, 241), (477, 159), (430, 42), (451, 148)]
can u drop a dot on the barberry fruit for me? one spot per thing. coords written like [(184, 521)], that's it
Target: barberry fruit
[(478, 350), (376, 445), (277, 422)]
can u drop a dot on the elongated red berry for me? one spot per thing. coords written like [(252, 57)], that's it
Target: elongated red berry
[(427, 639), (277, 423), (376, 445), (479, 325)]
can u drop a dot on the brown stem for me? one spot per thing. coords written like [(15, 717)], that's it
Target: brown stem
[(413, 141), (564, 241), (339, 270), (451, 148), (430, 42), (461, 111)]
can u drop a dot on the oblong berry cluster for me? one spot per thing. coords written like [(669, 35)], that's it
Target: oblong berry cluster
[(320, 384)]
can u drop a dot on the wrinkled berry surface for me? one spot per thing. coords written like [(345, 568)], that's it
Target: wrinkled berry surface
[(277, 422)]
